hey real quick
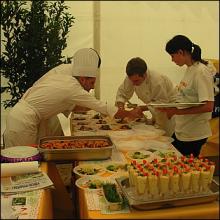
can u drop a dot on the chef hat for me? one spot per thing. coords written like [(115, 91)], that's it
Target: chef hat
[(85, 63)]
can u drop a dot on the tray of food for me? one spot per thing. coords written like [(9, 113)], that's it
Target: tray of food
[(143, 202), (92, 183), (75, 148), (169, 182)]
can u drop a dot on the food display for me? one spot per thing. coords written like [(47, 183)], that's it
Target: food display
[(124, 127), (105, 127), (77, 143), (92, 182), (112, 197), (114, 167), (138, 155), (76, 147), (101, 121), (85, 128), (171, 176), (88, 170), (97, 116)]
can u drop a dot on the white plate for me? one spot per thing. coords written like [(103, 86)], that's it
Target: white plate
[(180, 104), (88, 170), (130, 154), (161, 153), (165, 139), (156, 144), (86, 181), (19, 152), (115, 167)]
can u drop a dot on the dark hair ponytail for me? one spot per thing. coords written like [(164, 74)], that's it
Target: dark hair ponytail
[(181, 42), (196, 54)]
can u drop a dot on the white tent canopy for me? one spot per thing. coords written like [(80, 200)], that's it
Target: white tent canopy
[(120, 30)]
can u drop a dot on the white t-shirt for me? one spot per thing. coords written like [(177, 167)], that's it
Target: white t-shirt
[(196, 86)]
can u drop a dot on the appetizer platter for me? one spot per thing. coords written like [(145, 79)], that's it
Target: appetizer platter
[(76, 147), (139, 155), (144, 203), (88, 170), (112, 197), (114, 167), (92, 182), (162, 153), (172, 181)]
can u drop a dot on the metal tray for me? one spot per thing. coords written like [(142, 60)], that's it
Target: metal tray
[(142, 203), (76, 153)]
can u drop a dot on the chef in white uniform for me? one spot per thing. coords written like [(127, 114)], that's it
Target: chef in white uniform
[(58, 91), (150, 87)]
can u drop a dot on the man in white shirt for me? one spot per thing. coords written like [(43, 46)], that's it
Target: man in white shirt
[(58, 91), (150, 87)]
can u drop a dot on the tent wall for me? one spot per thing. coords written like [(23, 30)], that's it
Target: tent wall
[(141, 28), (120, 30)]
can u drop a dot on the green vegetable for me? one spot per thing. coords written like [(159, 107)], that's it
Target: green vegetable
[(110, 192), (111, 168), (139, 155)]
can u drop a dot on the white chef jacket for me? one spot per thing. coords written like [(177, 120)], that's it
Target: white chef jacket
[(57, 91), (196, 86), (156, 88)]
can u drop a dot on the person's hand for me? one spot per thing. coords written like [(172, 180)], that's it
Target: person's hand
[(80, 109), (170, 112), (135, 113)]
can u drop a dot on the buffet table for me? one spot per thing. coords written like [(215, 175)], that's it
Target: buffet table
[(202, 211), (46, 208), (208, 210), (58, 200), (55, 202)]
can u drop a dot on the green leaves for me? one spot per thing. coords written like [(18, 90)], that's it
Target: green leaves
[(34, 36)]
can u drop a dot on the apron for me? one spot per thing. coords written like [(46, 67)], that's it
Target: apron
[(25, 127)]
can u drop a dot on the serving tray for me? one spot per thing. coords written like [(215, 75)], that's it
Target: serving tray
[(175, 104), (74, 153), (144, 203)]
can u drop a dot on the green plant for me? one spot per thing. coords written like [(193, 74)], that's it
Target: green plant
[(34, 36)]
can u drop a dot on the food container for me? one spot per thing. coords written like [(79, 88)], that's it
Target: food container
[(144, 203), (76, 148), (111, 190), (20, 154)]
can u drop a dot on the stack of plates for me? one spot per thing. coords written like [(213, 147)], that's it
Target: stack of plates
[(20, 154)]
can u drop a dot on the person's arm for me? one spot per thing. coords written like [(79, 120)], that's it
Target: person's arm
[(78, 108), (120, 105), (207, 107), (125, 92), (132, 114)]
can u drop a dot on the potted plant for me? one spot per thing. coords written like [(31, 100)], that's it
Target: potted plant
[(35, 34)]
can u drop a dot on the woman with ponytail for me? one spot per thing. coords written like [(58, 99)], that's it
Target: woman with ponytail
[(192, 126)]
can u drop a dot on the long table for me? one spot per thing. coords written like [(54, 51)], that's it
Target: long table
[(63, 203), (198, 211), (201, 211), (55, 202)]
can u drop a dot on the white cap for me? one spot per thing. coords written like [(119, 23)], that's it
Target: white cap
[(85, 63)]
